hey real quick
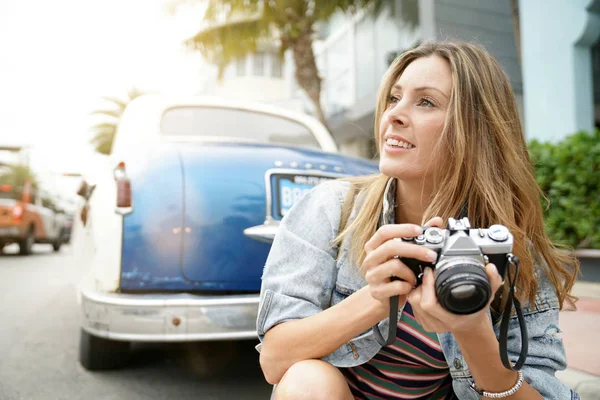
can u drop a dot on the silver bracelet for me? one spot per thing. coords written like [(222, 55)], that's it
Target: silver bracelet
[(500, 395)]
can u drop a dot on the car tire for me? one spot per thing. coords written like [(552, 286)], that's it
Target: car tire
[(26, 244), (96, 353), (56, 245)]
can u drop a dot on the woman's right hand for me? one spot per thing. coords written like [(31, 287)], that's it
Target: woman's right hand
[(381, 264)]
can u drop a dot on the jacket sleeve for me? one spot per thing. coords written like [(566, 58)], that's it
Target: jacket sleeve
[(546, 350), (300, 272)]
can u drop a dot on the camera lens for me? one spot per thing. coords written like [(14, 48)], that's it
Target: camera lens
[(462, 286)]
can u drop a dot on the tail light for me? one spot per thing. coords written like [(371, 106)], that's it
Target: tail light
[(124, 202), (17, 212)]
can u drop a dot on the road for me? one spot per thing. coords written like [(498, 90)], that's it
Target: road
[(39, 332)]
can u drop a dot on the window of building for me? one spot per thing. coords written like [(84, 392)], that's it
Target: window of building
[(276, 67), (258, 68), (240, 66)]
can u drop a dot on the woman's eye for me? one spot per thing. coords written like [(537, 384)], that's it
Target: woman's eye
[(426, 103), (393, 99)]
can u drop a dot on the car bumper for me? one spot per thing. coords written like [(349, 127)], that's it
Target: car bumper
[(169, 317), (10, 232)]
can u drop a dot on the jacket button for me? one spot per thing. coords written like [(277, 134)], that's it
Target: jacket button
[(457, 363)]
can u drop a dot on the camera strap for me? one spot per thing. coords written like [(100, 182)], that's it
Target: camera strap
[(512, 299), (393, 322)]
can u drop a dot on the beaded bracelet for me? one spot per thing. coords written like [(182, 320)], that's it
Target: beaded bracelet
[(500, 395)]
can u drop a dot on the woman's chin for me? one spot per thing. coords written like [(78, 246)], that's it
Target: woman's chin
[(399, 170)]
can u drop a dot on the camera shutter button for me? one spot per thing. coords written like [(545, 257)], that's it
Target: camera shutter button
[(420, 239), (434, 235)]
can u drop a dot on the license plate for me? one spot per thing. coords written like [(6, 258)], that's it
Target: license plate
[(290, 188)]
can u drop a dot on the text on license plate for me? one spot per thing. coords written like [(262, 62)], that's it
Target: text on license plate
[(293, 187)]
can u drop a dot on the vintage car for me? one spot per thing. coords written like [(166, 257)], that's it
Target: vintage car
[(27, 215), (179, 224)]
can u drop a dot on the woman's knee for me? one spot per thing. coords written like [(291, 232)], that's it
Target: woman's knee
[(314, 380)]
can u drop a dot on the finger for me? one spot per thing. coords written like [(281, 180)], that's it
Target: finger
[(393, 288), (494, 277), (393, 267), (428, 296), (428, 321), (393, 248), (435, 221), (391, 231), (429, 300)]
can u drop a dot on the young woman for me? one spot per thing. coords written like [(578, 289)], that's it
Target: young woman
[(450, 144)]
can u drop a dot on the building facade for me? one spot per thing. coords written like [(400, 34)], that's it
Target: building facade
[(555, 75), (552, 76)]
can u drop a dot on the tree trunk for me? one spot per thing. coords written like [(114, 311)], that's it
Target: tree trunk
[(307, 74), (517, 27)]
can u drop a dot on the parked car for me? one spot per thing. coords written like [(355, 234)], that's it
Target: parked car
[(26, 216), (178, 225)]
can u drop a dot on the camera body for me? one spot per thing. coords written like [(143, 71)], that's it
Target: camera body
[(461, 284)]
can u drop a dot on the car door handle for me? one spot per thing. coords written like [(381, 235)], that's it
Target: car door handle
[(263, 233)]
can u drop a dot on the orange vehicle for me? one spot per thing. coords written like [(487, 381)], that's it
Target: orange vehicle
[(26, 217)]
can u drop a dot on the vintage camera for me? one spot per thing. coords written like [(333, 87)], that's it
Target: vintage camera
[(461, 284)]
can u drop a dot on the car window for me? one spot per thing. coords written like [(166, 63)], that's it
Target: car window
[(233, 123), (11, 194), (7, 189)]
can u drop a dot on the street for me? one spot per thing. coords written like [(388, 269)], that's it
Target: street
[(39, 346)]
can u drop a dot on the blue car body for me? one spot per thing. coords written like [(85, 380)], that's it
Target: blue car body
[(178, 223), (218, 191)]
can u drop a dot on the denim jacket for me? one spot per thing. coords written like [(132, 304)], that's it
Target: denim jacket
[(304, 274)]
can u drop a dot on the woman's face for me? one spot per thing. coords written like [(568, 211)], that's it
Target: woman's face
[(414, 119)]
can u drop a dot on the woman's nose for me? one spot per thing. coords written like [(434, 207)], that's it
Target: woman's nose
[(398, 115)]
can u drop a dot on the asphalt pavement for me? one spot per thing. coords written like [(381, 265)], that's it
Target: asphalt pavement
[(39, 339), (39, 345)]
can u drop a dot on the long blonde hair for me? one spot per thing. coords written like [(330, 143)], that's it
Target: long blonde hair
[(483, 163)]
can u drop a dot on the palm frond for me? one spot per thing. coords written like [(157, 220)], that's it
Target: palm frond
[(223, 43), (121, 104), (103, 141), (104, 132), (134, 93), (104, 126), (108, 113), (223, 10)]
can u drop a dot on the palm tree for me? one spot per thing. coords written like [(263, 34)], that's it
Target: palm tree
[(235, 28), (104, 132), (19, 177)]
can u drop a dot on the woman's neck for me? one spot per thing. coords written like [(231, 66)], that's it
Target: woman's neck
[(412, 198)]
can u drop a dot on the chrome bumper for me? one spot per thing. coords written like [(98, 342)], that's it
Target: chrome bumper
[(169, 317)]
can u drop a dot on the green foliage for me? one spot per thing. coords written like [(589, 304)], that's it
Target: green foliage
[(568, 172), (104, 132), (16, 176), (235, 28)]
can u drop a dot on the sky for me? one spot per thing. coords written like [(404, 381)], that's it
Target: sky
[(59, 58)]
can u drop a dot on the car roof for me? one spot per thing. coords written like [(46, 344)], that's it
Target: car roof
[(143, 115)]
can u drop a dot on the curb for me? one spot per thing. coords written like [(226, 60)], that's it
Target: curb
[(586, 289), (586, 385)]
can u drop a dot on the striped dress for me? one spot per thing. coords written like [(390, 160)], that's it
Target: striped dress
[(413, 367)]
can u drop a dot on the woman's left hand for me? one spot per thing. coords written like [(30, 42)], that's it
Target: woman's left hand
[(434, 318)]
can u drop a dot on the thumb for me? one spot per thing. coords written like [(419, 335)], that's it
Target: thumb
[(494, 277)]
